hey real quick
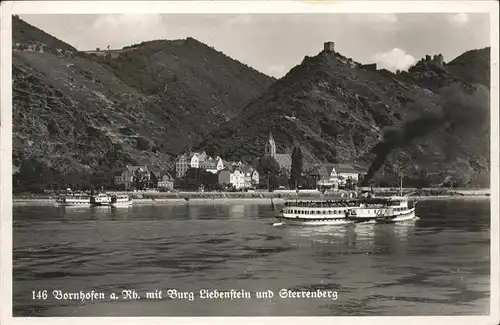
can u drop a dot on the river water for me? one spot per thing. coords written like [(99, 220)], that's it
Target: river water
[(437, 265)]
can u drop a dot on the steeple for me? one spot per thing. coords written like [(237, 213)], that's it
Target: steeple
[(270, 146)]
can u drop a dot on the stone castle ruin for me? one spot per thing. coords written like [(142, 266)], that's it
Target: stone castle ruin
[(329, 46), (369, 67), (436, 59)]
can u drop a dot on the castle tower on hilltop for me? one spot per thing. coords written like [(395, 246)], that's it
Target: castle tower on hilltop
[(329, 46), (438, 59), (270, 149)]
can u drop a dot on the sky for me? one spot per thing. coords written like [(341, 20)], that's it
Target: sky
[(275, 43)]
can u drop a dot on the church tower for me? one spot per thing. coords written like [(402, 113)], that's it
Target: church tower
[(270, 146)]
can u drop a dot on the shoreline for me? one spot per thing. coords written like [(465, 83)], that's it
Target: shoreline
[(237, 200)]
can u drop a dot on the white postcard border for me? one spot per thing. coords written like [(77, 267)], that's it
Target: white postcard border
[(9, 8)]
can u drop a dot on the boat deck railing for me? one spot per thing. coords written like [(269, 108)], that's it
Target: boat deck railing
[(342, 203)]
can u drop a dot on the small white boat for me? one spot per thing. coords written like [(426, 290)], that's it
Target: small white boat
[(118, 201), (81, 200), (101, 199)]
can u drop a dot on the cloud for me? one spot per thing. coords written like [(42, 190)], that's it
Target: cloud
[(458, 19), (277, 70), (395, 59)]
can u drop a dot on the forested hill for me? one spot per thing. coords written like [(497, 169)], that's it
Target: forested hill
[(77, 113), (433, 121)]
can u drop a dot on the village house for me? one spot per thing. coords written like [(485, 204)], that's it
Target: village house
[(233, 164), (182, 164), (332, 175), (232, 176), (126, 176), (284, 160), (345, 172), (251, 177), (197, 160), (237, 178), (165, 181), (212, 165)]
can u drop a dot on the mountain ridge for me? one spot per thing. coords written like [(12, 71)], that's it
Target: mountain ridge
[(340, 111)]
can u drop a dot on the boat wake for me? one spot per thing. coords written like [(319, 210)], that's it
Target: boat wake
[(369, 222)]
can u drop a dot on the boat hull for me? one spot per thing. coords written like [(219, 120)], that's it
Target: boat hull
[(71, 204), (122, 204), (314, 221), (410, 215)]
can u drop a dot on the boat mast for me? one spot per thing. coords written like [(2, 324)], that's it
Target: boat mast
[(400, 183), (296, 192)]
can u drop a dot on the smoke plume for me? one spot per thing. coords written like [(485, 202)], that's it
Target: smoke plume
[(459, 107)]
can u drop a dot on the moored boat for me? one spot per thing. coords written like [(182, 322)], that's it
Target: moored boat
[(101, 199), (118, 201), (73, 200)]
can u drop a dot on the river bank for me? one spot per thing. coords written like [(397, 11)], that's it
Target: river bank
[(249, 198)]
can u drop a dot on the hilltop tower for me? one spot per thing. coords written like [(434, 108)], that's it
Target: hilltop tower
[(329, 46), (438, 59), (270, 146)]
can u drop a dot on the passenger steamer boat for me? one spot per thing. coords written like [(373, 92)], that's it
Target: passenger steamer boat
[(378, 210), (102, 199), (73, 200)]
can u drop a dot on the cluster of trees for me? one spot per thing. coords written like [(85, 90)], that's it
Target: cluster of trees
[(348, 184), (272, 176), (35, 176), (142, 180), (195, 178), (275, 177), (419, 180)]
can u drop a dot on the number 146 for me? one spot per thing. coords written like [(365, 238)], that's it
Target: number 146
[(39, 294)]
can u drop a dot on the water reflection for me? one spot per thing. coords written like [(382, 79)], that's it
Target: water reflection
[(384, 237), (237, 210)]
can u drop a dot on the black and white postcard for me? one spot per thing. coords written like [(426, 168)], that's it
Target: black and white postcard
[(249, 161)]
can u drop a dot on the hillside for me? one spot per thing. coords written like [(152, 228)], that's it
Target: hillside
[(472, 66), (374, 119), (190, 70), (26, 34), (76, 114)]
